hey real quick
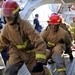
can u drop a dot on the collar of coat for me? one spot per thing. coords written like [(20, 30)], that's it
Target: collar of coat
[(15, 26)]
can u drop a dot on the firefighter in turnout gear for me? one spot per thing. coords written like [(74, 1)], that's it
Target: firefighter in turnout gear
[(25, 44), (56, 40), (73, 28), (66, 27)]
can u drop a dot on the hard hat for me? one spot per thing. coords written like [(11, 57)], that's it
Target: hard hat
[(9, 8), (60, 17), (54, 20), (74, 18), (54, 14)]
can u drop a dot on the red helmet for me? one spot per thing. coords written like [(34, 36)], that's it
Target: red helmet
[(9, 7), (60, 17), (54, 20), (54, 14), (74, 18)]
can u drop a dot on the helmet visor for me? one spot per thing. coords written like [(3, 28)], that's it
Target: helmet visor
[(6, 12)]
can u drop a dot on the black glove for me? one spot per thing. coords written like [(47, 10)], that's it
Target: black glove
[(69, 52), (71, 57), (38, 67), (49, 48)]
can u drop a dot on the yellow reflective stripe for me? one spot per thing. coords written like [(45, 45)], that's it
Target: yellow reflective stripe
[(29, 51), (25, 43), (72, 32), (1, 49), (72, 42), (69, 29), (52, 44), (40, 56), (22, 46), (73, 27), (51, 72), (61, 69), (16, 10)]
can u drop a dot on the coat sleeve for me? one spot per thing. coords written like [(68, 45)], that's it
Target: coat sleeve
[(37, 41), (68, 40), (34, 22), (3, 40)]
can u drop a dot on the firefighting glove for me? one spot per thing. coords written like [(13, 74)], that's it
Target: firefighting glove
[(69, 52), (38, 67), (49, 48), (71, 57)]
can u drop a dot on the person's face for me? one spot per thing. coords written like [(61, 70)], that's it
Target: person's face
[(10, 19), (54, 28), (36, 17)]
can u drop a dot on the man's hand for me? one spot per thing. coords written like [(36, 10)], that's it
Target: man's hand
[(38, 67)]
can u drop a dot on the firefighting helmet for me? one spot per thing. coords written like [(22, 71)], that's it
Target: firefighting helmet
[(9, 8), (54, 14), (74, 18), (60, 19), (54, 20)]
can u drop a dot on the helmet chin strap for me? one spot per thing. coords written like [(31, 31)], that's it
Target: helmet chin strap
[(15, 20), (57, 28)]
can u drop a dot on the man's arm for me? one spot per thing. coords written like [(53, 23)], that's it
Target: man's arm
[(3, 38), (39, 46), (68, 46), (34, 22), (37, 41)]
